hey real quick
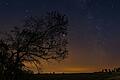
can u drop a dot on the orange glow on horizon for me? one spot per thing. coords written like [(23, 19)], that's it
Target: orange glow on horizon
[(76, 64), (71, 70)]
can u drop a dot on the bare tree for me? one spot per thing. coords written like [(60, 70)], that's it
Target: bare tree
[(39, 38)]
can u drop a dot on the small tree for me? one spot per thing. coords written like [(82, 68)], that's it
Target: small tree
[(38, 38)]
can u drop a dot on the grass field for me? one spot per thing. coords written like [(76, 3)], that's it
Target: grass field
[(77, 76)]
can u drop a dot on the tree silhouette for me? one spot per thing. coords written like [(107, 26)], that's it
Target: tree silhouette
[(39, 38)]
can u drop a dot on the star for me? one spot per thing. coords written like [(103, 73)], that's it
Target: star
[(98, 28), (26, 11), (6, 4)]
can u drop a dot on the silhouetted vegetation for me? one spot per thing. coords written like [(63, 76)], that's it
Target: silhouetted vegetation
[(39, 38), (110, 70), (71, 76)]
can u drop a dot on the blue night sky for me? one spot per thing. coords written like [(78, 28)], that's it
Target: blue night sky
[(94, 36)]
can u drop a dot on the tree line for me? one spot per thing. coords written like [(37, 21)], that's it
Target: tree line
[(111, 70)]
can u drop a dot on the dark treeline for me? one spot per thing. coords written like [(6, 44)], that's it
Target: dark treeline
[(111, 70)]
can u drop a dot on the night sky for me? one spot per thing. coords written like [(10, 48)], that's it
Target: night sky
[(94, 36)]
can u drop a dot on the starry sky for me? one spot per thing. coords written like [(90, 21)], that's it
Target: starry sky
[(94, 36)]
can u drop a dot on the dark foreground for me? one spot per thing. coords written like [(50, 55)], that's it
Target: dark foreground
[(75, 76)]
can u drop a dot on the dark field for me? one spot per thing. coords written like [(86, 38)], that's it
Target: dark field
[(76, 76)]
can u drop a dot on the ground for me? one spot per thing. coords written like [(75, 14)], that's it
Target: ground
[(78, 76)]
